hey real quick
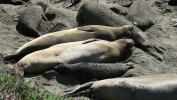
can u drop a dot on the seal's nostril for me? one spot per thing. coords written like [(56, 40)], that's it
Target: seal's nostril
[(130, 28)]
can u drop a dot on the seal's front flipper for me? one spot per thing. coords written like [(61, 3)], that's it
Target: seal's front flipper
[(90, 40), (127, 4), (118, 9), (159, 50), (154, 53), (88, 28), (22, 2)]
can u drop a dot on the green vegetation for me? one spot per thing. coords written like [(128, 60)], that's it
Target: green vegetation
[(9, 89)]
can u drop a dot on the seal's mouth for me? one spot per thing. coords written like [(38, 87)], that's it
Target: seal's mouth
[(129, 29)]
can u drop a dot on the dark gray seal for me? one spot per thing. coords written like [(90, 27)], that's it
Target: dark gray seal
[(30, 19), (94, 71), (98, 13), (141, 15), (15, 2), (147, 87)]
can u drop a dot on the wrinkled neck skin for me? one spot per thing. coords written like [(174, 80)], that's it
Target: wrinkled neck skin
[(121, 45), (139, 38)]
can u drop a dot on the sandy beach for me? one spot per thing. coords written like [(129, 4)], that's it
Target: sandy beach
[(162, 34)]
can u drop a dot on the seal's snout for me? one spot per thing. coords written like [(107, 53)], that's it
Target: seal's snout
[(130, 42), (130, 27), (130, 65)]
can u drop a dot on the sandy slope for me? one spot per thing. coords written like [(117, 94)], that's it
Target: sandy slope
[(161, 34)]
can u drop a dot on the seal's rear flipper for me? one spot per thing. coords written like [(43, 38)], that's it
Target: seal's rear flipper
[(154, 53), (118, 9), (159, 49), (80, 89), (127, 4)]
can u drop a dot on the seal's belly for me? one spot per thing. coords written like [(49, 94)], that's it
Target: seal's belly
[(84, 53)]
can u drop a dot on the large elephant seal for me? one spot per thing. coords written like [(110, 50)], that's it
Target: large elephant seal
[(141, 15), (98, 13), (30, 19), (91, 50), (90, 71), (71, 35), (147, 87)]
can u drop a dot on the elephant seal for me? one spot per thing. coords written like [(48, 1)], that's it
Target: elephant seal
[(15, 2), (91, 50), (71, 35), (147, 87), (87, 71), (141, 15), (30, 19), (98, 13)]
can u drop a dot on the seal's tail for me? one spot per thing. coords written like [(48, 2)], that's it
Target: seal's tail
[(81, 89)]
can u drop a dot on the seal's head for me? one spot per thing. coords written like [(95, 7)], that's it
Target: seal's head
[(62, 68), (126, 42), (128, 29), (130, 43), (17, 70), (129, 65), (42, 5)]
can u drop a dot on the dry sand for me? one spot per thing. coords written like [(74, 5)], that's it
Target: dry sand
[(161, 34)]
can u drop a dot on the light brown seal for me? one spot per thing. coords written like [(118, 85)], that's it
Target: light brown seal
[(98, 13), (147, 87), (91, 50), (71, 35)]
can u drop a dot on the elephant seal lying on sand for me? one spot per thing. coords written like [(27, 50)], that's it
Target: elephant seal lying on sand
[(71, 35), (31, 17), (98, 13), (98, 51), (87, 71), (147, 87), (141, 14)]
